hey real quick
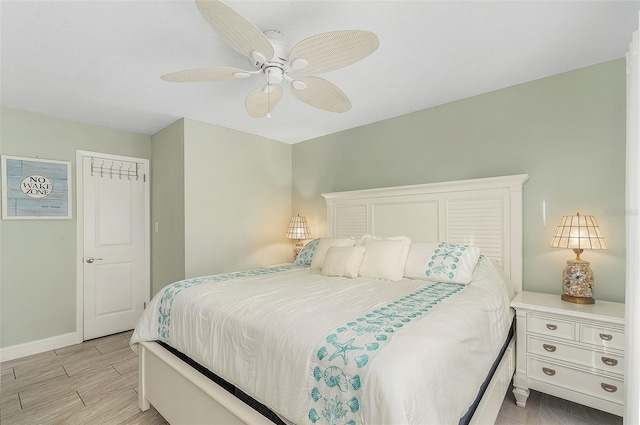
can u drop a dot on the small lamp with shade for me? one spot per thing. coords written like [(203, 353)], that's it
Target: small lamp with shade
[(299, 230), (578, 232)]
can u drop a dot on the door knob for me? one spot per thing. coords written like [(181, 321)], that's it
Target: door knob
[(91, 259)]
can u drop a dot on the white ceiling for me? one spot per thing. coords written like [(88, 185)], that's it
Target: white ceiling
[(100, 61)]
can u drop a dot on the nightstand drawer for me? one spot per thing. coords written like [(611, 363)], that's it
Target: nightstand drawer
[(551, 326), (602, 336), (569, 353), (606, 388)]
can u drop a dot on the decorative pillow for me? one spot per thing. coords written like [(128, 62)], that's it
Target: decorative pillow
[(385, 257), (452, 263), (323, 246), (343, 261), (306, 253), (419, 253)]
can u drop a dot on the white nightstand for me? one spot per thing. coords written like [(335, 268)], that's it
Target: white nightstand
[(571, 351)]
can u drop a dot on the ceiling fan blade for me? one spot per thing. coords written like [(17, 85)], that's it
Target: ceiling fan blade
[(321, 94), (260, 102), (236, 30), (332, 50), (221, 73)]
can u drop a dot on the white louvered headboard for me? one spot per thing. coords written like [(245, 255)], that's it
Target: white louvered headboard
[(484, 212)]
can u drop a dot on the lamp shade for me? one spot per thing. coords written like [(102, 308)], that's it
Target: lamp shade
[(578, 232), (298, 228)]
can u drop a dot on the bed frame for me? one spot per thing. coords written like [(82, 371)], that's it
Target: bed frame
[(485, 212)]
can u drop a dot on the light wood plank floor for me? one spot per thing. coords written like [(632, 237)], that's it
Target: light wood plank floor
[(96, 383)]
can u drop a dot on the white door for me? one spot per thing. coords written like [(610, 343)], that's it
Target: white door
[(116, 284)]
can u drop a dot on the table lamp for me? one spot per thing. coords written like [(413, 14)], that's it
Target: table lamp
[(578, 232), (298, 229)]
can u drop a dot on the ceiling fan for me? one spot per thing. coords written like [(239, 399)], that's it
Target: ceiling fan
[(270, 55)]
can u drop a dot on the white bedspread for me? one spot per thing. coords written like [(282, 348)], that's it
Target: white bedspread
[(262, 333)]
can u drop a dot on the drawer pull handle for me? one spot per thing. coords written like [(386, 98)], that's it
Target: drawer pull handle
[(552, 348), (552, 372), (609, 388), (609, 361), (554, 327), (606, 337)]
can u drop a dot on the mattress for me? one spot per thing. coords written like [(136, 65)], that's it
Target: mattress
[(316, 349)]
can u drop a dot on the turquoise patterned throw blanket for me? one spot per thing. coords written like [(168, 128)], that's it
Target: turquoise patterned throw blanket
[(338, 364)]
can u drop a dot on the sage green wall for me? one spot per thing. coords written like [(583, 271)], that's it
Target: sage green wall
[(237, 198), (221, 198), (219, 194), (566, 131), (37, 257), (167, 206)]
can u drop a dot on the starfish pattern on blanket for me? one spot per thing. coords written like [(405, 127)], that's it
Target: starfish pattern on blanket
[(343, 348), (336, 380)]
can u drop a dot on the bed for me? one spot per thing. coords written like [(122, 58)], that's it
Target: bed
[(315, 346)]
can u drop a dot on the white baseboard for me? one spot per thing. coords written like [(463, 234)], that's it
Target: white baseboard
[(35, 347)]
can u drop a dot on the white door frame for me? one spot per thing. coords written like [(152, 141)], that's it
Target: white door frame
[(632, 294), (80, 232)]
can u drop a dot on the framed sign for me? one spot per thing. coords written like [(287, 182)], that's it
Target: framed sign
[(35, 188)]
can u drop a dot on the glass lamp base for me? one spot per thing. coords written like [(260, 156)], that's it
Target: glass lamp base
[(577, 282), (296, 249)]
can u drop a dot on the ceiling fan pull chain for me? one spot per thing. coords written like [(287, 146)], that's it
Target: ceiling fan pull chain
[(269, 93)]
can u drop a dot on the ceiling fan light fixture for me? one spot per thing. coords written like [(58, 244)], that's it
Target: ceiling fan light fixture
[(299, 63), (267, 89), (299, 85), (258, 57)]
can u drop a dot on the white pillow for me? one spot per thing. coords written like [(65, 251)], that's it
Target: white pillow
[(419, 253), (452, 263), (323, 246), (385, 257), (343, 261)]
